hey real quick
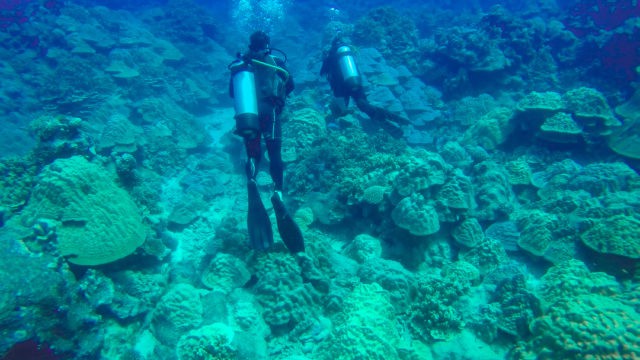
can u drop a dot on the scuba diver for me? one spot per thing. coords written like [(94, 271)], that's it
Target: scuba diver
[(340, 69), (259, 85)]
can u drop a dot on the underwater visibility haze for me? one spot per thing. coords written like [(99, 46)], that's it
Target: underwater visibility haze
[(290, 180)]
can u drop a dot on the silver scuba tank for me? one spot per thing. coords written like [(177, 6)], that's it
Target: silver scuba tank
[(245, 99), (348, 69)]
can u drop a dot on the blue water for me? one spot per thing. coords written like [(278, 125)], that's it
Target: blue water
[(502, 222)]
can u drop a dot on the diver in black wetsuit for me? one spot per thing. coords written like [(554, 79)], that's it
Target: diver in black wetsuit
[(344, 78), (259, 85)]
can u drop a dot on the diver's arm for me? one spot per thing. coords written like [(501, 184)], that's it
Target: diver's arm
[(289, 85)]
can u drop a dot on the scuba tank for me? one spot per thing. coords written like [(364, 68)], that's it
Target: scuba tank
[(245, 99), (348, 69)]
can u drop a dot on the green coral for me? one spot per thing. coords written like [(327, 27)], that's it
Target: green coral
[(394, 34), (224, 273), (16, 180), (433, 316), (615, 235), (364, 247), (519, 172), (468, 233), (211, 342), (584, 327), (420, 172), (487, 256), (416, 215), (542, 103), (493, 193), (560, 128), (333, 163), (392, 276), (280, 290), (536, 230), (179, 310), (571, 279), (456, 195), (491, 129), (98, 222), (591, 110), (365, 329)]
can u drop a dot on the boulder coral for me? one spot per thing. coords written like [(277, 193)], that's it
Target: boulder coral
[(571, 279), (178, 311), (225, 273), (616, 235), (364, 247), (98, 222), (468, 233), (420, 172), (585, 327), (590, 109), (415, 214), (392, 276), (491, 129), (215, 341), (536, 230), (365, 329), (280, 290), (433, 315)]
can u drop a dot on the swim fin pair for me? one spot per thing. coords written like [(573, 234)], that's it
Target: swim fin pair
[(259, 225)]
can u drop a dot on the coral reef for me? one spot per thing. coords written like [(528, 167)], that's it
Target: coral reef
[(97, 221), (365, 329)]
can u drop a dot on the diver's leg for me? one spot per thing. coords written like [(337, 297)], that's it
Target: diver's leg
[(258, 223), (253, 148), (288, 229), (382, 116)]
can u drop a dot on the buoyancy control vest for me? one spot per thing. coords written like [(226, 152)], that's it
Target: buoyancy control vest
[(270, 79)]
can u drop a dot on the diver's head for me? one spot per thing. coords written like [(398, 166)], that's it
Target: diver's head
[(260, 42)]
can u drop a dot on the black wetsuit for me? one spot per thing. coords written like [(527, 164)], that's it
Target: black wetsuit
[(270, 107), (331, 69)]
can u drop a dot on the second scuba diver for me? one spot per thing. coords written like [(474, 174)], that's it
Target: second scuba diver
[(346, 82), (259, 86)]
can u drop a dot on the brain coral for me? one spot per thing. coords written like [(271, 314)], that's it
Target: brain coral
[(98, 221), (615, 235)]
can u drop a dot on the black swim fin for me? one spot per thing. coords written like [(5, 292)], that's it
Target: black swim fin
[(259, 225), (392, 128), (289, 230)]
